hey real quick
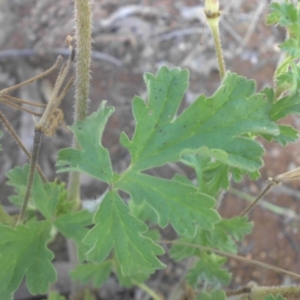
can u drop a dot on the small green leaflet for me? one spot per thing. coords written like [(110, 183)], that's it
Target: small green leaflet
[(209, 270), (90, 272), (214, 295), (222, 237), (129, 281), (287, 15), (116, 229), (93, 158), (74, 226), (24, 253), (271, 297), (55, 296), (283, 107), (173, 200), (217, 122)]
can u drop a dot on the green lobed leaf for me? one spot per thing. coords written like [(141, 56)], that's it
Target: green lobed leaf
[(44, 196), (115, 228), (209, 270), (287, 134), (217, 122), (286, 15), (24, 252), (214, 295), (93, 158), (285, 106), (173, 200), (291, 46), (90, 272), (290, 79), (75, 226), (17, 177), (223, 237)]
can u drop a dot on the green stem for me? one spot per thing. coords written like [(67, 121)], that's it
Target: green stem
[(149, 291), (83, 21)]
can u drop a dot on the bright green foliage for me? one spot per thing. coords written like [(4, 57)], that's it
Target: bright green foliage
[(214, 295), (271, 297), (74, 226), (209, 269), (95, 273), (117, 228), (24, 253), (211, 127), (173, 200), (48, 198), (93, 158)]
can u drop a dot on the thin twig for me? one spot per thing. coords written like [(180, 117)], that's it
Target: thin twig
[(251, 261), (33, 79), (264, 191), (277, 180), (21, 101), (35, 153), (20, 143), (21, 108)]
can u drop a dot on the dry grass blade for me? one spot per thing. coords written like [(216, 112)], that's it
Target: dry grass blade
[(288, 176)]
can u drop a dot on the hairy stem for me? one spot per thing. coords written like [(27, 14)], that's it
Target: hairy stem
[(83, 21), (213, 16)]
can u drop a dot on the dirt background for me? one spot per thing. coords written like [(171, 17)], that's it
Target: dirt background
[(130, 38)]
